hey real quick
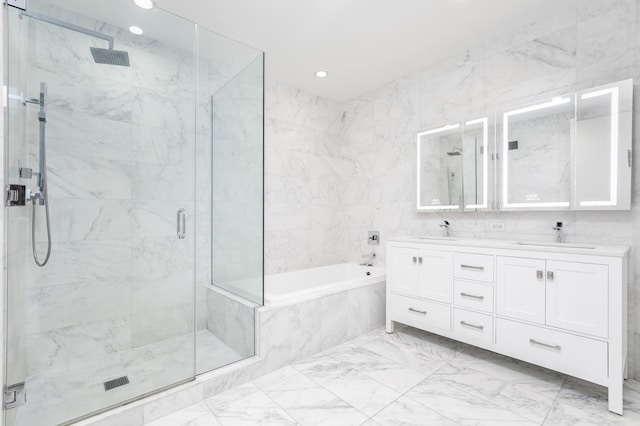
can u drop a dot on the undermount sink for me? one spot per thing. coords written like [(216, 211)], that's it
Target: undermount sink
[(580, 246), (438, 238)]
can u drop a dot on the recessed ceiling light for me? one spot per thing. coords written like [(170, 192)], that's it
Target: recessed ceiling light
[(321, 74), (145, 4), (135, 30)]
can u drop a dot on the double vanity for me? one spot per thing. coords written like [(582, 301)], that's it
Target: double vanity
[(559, 306)]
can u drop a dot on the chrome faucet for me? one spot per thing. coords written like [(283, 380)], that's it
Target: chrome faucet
[(370, 258), (445, 224), (559, 232)]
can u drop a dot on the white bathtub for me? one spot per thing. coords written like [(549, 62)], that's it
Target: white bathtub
[(296, 286)]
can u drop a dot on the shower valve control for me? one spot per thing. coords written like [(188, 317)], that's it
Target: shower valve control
[(16, 195)]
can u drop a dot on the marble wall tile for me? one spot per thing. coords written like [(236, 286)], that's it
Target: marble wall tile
[(366, 309), (82, 342), (75, 177), (53, 303), (151, 324), (88, 219), (81, 261), (174, 401), (334, 327), (581, 45), (289, 333), (232, 321), (547, 54)]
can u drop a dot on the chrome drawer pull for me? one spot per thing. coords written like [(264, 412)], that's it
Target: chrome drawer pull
[(550, 275), (479, 327), (418, 312), (472, 296), (415, 259), (535, 342), (475, 268), (539, 274)]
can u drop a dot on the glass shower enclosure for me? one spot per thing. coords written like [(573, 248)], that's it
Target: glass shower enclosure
[(129, 229)]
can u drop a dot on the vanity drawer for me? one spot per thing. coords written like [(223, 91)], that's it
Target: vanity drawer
[(473, 295), (473, 326), (419, 312), (476, 267), (574, 355)]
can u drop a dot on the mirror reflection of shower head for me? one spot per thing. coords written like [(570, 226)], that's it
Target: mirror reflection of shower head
[(456, 151), (108, 56)]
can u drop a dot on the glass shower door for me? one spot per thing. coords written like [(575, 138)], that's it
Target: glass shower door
[(110, 316)]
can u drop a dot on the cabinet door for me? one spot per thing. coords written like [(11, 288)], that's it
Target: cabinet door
[(402, 270), (520, 288), (577, 297), (436, 275)]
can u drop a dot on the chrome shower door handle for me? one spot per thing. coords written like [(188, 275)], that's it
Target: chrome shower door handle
[(182, 224)]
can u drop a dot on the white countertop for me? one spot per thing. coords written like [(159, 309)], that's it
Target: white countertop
[(595, 249)]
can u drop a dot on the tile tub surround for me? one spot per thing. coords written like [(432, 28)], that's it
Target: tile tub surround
[(409, 378), (294, 331)]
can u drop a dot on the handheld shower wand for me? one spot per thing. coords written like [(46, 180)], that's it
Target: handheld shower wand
[(41, 195)]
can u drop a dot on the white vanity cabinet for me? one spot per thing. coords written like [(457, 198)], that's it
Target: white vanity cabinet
[(568, 295), (422, 272), (559, 306)]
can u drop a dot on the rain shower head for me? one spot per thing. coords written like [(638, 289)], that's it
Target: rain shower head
[(456, 151), (110, 56)]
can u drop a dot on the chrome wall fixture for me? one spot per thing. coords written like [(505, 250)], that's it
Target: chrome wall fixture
[(41, 195)]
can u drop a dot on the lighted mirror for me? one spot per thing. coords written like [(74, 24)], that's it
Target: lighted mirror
[(601, 141), (476, 154), (439, 169), (536, 154)]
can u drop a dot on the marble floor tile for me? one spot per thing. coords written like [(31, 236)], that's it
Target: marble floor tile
[(391, 374), (275, 377), (406, 412), (247, 405), (410, 378), (362, 392), (423, 357), (186, 416), (461, 407), (311, 404), (530, 397), (582, 403)]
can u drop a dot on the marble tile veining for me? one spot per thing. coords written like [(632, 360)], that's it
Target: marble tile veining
[(355, 384)]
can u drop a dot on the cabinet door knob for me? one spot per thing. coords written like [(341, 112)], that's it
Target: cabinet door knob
[(420, 260), (415, 259), (539, 274), (550, 275)]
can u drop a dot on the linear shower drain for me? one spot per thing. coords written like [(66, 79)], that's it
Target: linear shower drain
[(116, 383)]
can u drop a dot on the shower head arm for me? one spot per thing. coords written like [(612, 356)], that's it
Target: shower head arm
[(70, 26)]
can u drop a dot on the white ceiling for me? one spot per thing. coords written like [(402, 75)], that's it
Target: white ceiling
[(363, 44)]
